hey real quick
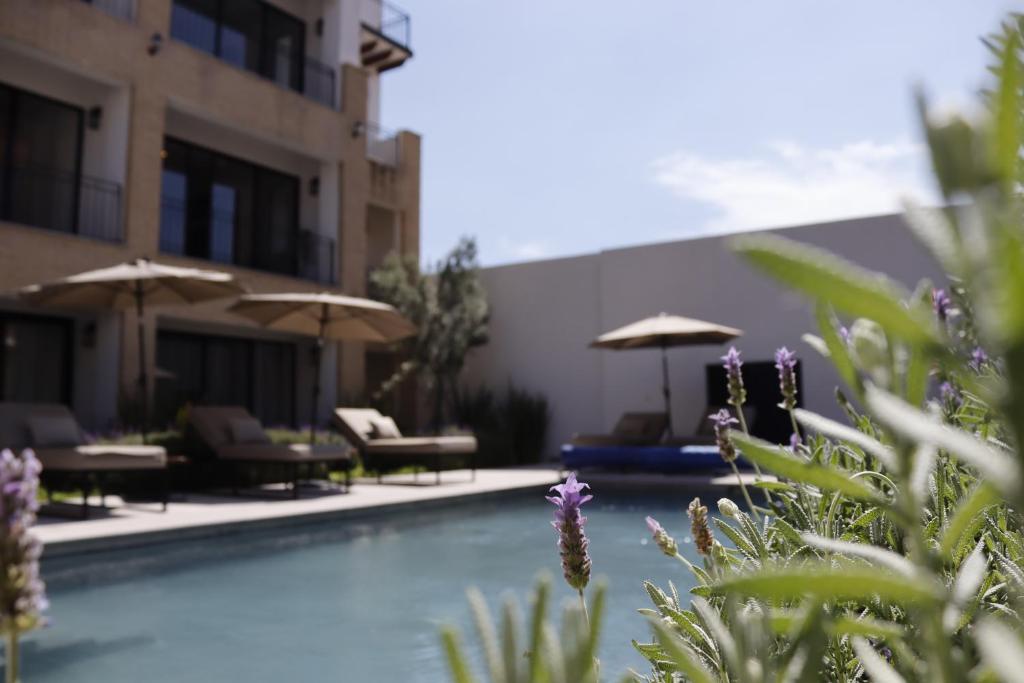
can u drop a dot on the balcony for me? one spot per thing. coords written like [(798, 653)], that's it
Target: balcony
[(309, 256), (271, 48), (61, 201), (381, 145), (122, 9), (384, 36)]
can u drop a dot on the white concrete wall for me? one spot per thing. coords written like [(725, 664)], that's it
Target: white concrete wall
[(545, 313)]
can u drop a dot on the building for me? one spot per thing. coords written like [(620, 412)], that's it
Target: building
[(545, 313), (238, 135)]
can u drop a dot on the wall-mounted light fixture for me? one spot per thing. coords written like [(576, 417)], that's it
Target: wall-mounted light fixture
[(358, 128), (95, 118), (314, 186), (156, 41)]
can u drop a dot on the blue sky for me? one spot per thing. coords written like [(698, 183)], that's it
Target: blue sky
[(563, 127)]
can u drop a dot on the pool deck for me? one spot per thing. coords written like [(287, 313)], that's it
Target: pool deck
[(209, 515)]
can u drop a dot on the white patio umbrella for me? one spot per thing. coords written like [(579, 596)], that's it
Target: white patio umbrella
[(663, 331), (325, 316), (135, 284)]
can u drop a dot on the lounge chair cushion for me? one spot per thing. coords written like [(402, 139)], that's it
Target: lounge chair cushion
[(54, 431), (423, 444), (247, 430), (384, 428), (298, 452), (100, 457)]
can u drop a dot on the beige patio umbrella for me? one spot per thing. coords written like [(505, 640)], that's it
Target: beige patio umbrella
[(663, 331), (134, 284), (325, 316)]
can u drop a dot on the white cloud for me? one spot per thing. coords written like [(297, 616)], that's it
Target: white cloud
[(523, 250), (793, 184)]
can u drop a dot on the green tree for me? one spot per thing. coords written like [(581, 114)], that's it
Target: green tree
[(449, 306)]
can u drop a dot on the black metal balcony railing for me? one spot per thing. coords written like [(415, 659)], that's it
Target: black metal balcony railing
[(122, 9), (285, 67), (316, 257), (388, 20), (61, 201)]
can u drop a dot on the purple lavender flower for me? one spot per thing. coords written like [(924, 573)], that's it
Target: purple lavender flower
[(722, 421), (794, 441), (941, 303), (572, 541), (978, 358), (22, 592), (785, 363), (732, 364), (950, 395), (844, 334), (666, 543)]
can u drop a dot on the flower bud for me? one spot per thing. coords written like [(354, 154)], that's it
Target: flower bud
[(666, 543), (699, 528), (728, 508)]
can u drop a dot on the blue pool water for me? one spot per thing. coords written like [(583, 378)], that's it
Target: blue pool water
[(356, 600)]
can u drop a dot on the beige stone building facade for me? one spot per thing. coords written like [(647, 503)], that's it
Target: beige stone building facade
[(238, 135)]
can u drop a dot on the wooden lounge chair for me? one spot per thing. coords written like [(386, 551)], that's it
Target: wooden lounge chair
[(632, 429), (68, 462), (382, 447), (234, 436)]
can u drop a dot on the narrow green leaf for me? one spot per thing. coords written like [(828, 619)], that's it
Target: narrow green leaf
[(866, 626), (1001, 649), (681, 654), (849, 288), (786, 464), (916, 426), (457, 663), (933, 229), (510, 624), (540, 604), (897, 563), (486, 633), (837, 350), (1007, 138), (842, 432), (826, 582), (980, 498)]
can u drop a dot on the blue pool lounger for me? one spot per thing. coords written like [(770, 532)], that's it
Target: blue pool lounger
[(667, 459)]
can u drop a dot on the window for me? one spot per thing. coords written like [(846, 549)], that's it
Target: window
[(215, 370), (40, 158), (250, 34), (227, 210), (35, 359)]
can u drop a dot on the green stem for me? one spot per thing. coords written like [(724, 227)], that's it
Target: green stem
[(583, 604), (757, 468), (792, 421), (746, 496), (11, 670)]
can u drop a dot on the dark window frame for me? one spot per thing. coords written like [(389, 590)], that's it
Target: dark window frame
[(204, 339), (258, 171), (263, 68), (7, 162), (68, 332)]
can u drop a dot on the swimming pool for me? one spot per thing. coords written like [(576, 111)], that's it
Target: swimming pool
[(355, 600)]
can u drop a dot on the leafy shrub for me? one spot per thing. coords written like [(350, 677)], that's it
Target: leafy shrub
[(892, 549), (511, 430)]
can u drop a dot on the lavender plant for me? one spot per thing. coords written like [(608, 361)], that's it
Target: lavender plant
[(894, 550), (22, 592)]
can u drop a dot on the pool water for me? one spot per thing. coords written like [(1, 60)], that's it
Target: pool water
[(356, 600)]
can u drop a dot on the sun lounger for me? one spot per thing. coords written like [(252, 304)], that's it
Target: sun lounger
[(58, 441), (382, 447), (632, 429), (234, 436)]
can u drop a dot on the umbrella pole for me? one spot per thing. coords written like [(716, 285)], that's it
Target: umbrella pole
[(665, 387), (318, 360), (143, 394)]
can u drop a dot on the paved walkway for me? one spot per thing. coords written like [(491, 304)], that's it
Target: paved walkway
[(206, 515)]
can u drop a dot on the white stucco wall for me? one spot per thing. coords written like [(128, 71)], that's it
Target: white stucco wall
[(545, 313)]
